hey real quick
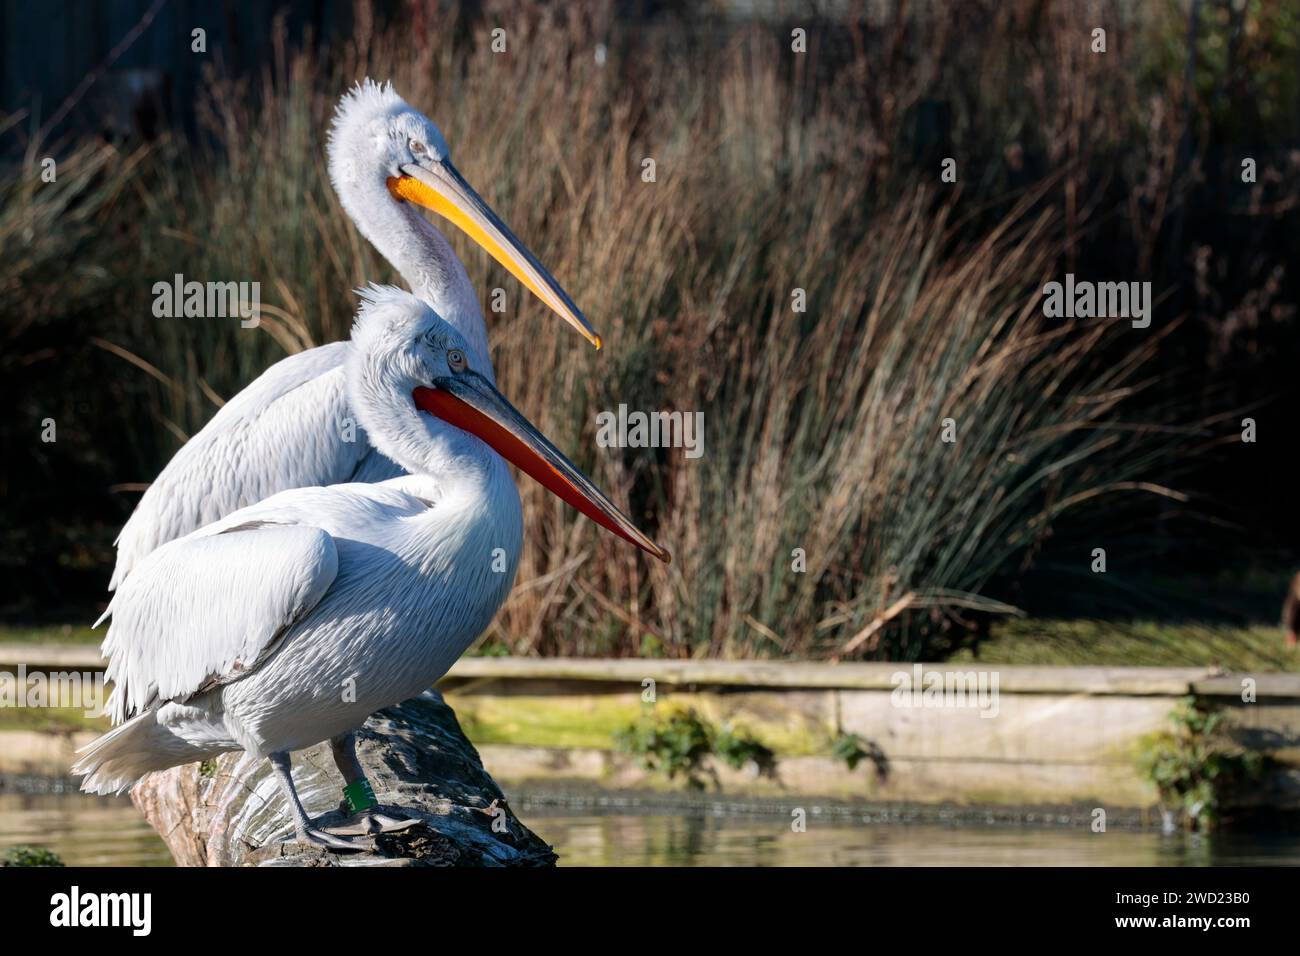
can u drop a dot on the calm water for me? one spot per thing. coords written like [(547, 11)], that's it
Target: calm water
[(96, 831), (83, 830)]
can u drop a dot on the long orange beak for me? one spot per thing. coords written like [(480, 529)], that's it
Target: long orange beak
[(442, 189), (472, 403)]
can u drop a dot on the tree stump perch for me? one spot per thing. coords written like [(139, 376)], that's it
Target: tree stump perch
[(230, 812)]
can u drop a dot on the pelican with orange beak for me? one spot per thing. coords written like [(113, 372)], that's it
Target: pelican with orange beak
[(243, 634), (286, 430)]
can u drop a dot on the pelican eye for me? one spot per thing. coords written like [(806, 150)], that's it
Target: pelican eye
[(456, 359), (417, 147)]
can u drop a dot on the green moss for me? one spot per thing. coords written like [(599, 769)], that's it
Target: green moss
[(49, 634), (1049, 642), (50, 719), (592, 721), (544, 720)]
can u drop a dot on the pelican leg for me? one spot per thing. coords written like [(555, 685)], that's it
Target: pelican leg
[(307, 832), (368, 820)]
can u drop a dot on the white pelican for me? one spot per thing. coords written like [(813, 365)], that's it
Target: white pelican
[(303, 614), (286, 429)]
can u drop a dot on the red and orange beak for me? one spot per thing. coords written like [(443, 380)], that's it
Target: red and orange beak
[(470, 402), (441, 187)]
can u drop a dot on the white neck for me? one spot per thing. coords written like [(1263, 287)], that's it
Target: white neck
[(420, 443), (473, 505), (425, 260), (468, 484)]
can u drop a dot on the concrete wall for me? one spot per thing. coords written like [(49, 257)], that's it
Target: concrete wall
[(1039, 735)]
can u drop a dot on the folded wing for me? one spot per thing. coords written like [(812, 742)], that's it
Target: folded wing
[(207, 609), (291, 428)]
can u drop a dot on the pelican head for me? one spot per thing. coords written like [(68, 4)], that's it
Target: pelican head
[(412, 381), (383, 150)]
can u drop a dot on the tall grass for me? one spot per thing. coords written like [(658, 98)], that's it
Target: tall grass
[(48, 216), (823, 428), (57, 238)]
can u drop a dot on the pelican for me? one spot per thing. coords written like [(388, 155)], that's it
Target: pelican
[(304, 613), (286, 429)]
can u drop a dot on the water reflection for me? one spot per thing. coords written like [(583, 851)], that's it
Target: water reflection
[(674, 840), (98, 831), (83, 830)]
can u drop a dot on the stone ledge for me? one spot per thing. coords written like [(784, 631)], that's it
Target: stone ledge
[(1129, 681)]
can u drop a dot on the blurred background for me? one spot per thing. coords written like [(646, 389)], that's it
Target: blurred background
[(776, 171)]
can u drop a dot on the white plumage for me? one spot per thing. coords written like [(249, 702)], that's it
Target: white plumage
[(269, 595), (288, 428), (173, 593), (290, 621)]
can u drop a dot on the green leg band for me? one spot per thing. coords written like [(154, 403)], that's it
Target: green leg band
[(360, 796)]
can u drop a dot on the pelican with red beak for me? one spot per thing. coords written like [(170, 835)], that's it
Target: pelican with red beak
[(245, 634)]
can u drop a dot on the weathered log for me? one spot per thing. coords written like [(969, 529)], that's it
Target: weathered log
[(230, 812)]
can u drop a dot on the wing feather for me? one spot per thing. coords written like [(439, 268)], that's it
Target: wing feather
[(168, 641), (283, 431)]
